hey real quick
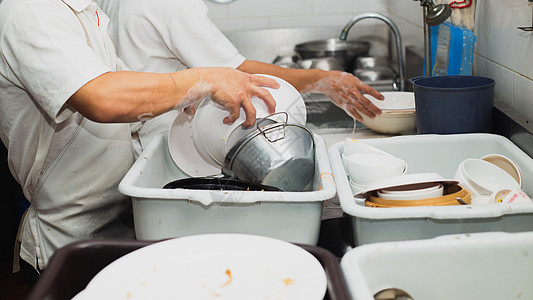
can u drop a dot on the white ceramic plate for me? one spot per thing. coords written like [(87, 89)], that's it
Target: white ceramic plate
[(208, 135), (212, 266), (184, 152), (406, 179)]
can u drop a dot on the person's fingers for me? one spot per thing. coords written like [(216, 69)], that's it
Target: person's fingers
[(370, 91), (250, 113), (264, 81), (353, 113), (267, 98), (365, 103), (234, 113)]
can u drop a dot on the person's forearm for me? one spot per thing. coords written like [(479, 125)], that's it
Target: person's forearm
[(299, 78), (343, 89), (131, 96)]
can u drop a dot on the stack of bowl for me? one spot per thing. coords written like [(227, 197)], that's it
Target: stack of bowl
[(421, 189), (365, 164), (366, 168)]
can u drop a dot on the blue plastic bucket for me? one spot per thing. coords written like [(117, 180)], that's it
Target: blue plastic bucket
[(453, 104)]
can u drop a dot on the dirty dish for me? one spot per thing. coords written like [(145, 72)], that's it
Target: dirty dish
[(344, 51), (356, 187), (484, 177), (398, 113), (405, 180), (508, 196), (453, 195), (211, 135), (183, 151), (507, 164), (392, 122), (395, 100), (413, 192), (200, 152), (221, 266), (353, 146)]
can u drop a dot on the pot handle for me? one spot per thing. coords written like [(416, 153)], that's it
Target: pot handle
[(274, 132)]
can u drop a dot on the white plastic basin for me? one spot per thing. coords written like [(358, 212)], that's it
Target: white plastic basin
[(488, 266), (166, 213), (434, 154)]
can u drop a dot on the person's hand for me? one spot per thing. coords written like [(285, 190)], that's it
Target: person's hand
[(346, 91), (234, 89)]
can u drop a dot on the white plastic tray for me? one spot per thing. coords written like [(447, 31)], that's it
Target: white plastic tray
[(489, 266), (434, 154), (165, 213)]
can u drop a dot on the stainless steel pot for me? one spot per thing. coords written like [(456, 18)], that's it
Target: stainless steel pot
[(323, 63), (280, 155), (344, 51)]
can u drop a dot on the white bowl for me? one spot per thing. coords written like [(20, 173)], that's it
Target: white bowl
[(353, 146), (507, 164), (398, 113), (413, 192), (484, 177), (211, 135), (367, 168), (357, 187), (392, 122), (466, 185), (395, 100)]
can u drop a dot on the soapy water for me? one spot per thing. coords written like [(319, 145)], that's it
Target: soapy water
[(345, 91), (199, 91)]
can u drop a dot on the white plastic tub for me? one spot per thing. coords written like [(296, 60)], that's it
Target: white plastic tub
[(434, 154), (488, 266), (165, 213)]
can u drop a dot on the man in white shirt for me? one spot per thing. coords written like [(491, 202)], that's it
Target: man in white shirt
[(170, 35), (65, 100)]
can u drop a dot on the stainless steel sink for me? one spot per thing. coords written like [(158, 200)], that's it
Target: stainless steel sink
[(267, 45)]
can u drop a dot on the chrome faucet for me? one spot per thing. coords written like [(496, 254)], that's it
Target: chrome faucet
[(397, 37)]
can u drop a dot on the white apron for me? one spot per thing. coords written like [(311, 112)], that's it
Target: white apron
[(77, 194)]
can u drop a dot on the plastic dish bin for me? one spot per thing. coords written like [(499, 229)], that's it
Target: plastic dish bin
[(434, 154), (165, 213), (489, 266)]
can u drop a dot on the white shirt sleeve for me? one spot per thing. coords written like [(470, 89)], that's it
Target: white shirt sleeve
[(197, 40), (180, 31), (48, 56)]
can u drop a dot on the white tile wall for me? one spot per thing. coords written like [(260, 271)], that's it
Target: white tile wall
[(502, 52), (254, 14)]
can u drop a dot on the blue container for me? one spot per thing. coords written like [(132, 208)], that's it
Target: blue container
[(453, 104)]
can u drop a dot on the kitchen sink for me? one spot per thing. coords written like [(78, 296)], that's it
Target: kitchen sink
[(267, 45)]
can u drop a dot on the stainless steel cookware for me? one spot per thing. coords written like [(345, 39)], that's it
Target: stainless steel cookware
[(344, 51), (281, 155)]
